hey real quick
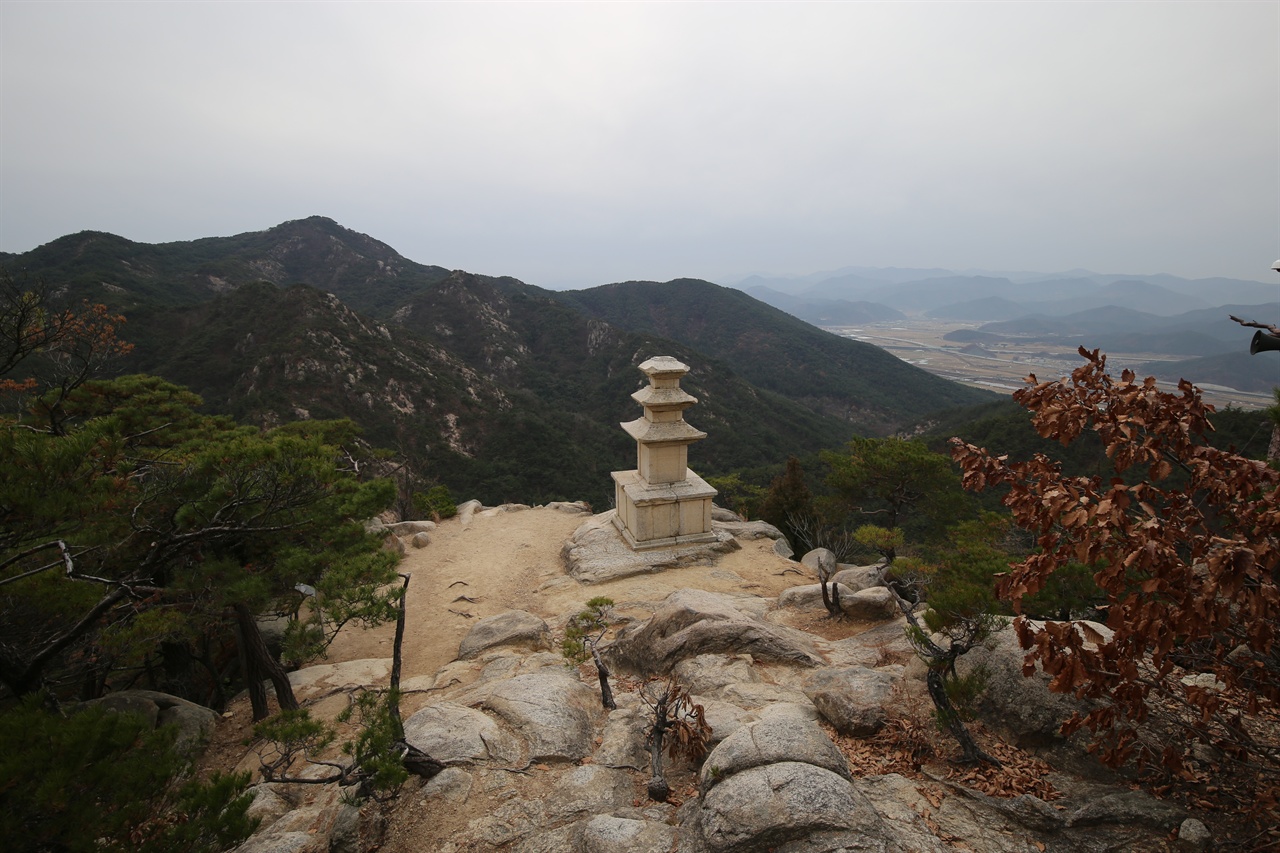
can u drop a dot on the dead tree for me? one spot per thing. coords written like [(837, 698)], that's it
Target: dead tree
[(678, 724)]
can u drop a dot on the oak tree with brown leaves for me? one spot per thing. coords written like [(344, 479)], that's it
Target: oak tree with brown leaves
[(1187, 538)]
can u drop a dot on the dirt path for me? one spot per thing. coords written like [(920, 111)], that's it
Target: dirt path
[(505, 560)]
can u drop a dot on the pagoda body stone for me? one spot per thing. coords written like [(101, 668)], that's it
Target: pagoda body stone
[(662, 503)]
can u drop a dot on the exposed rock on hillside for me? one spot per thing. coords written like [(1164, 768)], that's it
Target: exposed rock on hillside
[(533, 764), (692, 622)]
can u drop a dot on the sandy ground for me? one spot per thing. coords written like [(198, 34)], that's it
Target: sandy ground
[(510, 560)]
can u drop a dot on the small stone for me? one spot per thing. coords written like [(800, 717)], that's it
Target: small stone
[(1194, 836)]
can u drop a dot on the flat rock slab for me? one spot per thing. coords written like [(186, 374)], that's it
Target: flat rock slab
[(852, 699), (782, 737), (707, 674), (747, 530), (591, 790), (766, 807), (512, 628), (692, 622), (553, 712), (452, 733), (596, 552), (408, 528), (872, 603), (311, 680), (608, 834)]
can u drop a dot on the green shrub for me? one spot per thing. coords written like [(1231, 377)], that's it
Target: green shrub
[(436, 503), (104, 781)]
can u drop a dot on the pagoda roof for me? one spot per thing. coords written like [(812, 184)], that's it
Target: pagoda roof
[(664, 365), (663, 398), (648, 432)]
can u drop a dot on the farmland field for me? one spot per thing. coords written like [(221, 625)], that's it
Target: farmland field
[(1003, 367)]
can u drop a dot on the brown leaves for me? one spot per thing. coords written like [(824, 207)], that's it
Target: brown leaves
[(1188, 561), (915, 748)]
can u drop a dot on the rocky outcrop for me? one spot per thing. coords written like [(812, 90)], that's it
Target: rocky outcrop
[(693, 622), (852, 699), (1022, 706), (707, 675), (790, 806), (597, 552), (784, 736), (608, 834), (534, 765), (193, 722), (452, 733), (512, 628), (551, 710)]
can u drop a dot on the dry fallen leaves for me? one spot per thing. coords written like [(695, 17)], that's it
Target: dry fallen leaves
[(906, 746)]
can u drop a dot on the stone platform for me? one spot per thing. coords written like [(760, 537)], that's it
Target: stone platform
[(598, 551)]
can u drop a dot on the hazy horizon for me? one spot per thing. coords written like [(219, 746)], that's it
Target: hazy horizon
[(570, 145)]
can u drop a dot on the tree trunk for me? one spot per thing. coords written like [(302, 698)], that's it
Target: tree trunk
[(970, 752), (415, 760), (26, 675), (216, 695), (658, 788), (831, 599), (259, 664), (940, 661), (602, 672), (397, 659)]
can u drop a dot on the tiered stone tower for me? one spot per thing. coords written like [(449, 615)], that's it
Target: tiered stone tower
[(662, 503)]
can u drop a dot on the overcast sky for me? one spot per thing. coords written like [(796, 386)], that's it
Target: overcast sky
[(574, 144)]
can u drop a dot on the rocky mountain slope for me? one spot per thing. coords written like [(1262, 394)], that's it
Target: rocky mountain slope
[(485, 384), (367, 274), (774, 350)]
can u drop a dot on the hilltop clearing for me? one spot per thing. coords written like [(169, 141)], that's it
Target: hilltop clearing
[(819, 739)]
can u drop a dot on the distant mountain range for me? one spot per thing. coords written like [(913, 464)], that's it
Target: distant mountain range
[(1156, 314), (502, 390), (935, 291)]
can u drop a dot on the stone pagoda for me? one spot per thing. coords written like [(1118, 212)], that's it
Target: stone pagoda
[(662, 503)]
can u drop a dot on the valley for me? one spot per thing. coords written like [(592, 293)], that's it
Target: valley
[(1002, 366)]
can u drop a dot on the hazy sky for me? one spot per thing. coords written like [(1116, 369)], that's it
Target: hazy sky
[(583, 143)]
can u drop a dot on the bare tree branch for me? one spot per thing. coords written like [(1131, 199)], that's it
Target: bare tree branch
[(1275, 330)]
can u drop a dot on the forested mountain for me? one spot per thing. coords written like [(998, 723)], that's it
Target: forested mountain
[(368, 275), (501, 390), (852, 380)]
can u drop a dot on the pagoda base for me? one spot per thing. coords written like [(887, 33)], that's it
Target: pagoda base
[(662, 515)]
